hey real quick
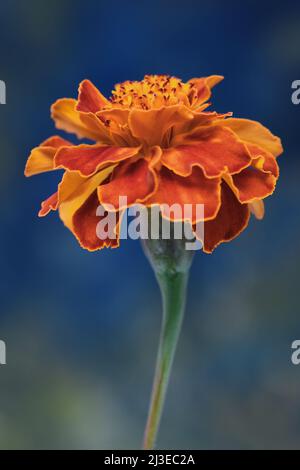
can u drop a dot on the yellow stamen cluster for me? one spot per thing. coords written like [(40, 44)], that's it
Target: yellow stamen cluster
[(153, 91)]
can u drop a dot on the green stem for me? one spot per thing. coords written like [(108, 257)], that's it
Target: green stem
[(173, 289), (171, 262)]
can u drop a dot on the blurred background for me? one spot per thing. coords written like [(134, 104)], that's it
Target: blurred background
[(81, 329)]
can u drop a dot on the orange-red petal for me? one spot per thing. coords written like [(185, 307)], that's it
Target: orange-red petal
[(87, 125), (118, 115), (87, 159), (134, 180), (254, 133), (41, 158), (150, 126), (203, 88), (118, 125), (90, 99), (50, 204), (85, 223), (251, 184), (214, 149), (194, 189), (55, 141), (74, 190), (230, 221), (263, 160), (182, 132)]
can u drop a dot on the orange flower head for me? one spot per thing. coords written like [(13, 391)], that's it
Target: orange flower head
[(156, 144), (155, 91)]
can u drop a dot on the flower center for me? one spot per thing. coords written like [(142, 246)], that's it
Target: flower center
[(153, 91)]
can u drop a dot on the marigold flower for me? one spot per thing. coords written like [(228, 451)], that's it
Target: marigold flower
[(156, 143)]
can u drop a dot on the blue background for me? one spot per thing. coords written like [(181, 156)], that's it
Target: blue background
[(82, 329)]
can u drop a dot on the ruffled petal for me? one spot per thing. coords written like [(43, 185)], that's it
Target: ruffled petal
[(118, 115), (87, 125), (90, 99), (136, 181), (251, 184), (74, 190), (41, 158), (183, 132), (87, 159), (48, 205), (194, 189), (151, 126), (117, 120), (203, 87), (85, 222), (254, 133), (214, 149), (230, 221), (263, 160), (55, 141)]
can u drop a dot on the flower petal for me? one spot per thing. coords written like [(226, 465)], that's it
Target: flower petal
[(67, 118), (150, 126), (118, 115), (135, 181), (263, 160), (55, 141), (90, 100), (87, 159), (203, 87), (230, 221), (257, 208), (251, 184), (41, 158), (74, 190), (194, 189), (254, 133), (85, 223), (214, 149), (48, 205), (117, 120), (182, 132)]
